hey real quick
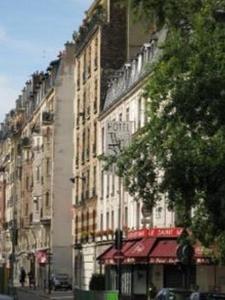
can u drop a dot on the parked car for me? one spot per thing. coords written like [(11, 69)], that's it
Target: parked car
[(61, 281), (173, 294), (207, 296)]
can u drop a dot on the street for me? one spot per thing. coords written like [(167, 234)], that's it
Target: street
[(27, 294)]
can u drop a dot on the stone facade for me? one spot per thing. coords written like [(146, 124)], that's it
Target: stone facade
[(37, 215), (124, 102)]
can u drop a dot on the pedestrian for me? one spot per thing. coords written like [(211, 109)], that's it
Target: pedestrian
[(31, 279), (152, 291), (22, 276)]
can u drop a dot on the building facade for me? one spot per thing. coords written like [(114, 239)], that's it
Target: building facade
[(150, 238), (101, 37), (36, 164)]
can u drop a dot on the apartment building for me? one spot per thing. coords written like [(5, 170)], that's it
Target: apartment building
[(150, 238), (100, 48), (36, 164)]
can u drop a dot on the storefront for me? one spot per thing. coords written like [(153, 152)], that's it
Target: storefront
[(149, 256), (42, 268)]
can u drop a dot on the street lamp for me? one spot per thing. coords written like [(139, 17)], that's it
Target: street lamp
[(49, 254), (13, 233)]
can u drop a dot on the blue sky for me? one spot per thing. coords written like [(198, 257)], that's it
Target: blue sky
[(32, 32)]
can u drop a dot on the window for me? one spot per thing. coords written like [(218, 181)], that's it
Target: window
[(78, 74), (83, 187), (88, 144), (107, 220), (77, 154), (113, 183), (96, 53), (126, 216), (158, 212), (77, 191), (26, 209), (95, 95), (94, 219), (108, 182), (47, 199), (84, 105), (76, 225), (78, 112), (83, 150), (95, 139), (139, 112), (138, 216), (112, 220), (38, 173), (103, 139), (48, 166), (101, 222), (27, 183), (87, 218), (94, 182), (102, 183), (120, 117), (87, 184), (89, 60), (128, 114)]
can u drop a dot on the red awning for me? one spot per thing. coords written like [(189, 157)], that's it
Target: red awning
[(164, 252), (140, 250), (108, 255)]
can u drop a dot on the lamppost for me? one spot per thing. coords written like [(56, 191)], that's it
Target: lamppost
[(13, 233), (49, 257)]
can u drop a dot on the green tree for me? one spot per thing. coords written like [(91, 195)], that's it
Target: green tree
[(180, 153)]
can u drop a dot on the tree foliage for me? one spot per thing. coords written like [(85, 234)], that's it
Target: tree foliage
[(180, 153)]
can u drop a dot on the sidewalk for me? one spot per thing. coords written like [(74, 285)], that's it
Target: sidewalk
[(35, 292), (41, 294)]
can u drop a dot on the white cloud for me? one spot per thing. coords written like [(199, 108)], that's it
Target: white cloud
[(8, 95)]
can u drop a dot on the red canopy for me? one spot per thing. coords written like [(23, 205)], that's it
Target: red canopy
[(164, 251), (141, 249), (108, 255)]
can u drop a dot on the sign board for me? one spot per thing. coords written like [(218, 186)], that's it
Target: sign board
[(118, 136), (156, 232)]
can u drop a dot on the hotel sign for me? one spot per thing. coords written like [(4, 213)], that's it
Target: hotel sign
[(118, 136)]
